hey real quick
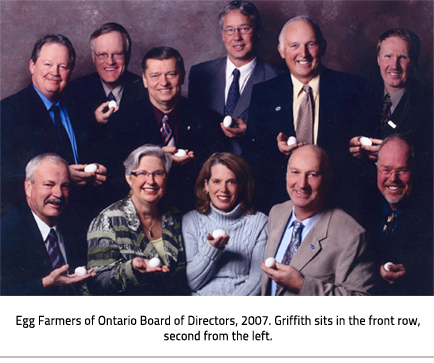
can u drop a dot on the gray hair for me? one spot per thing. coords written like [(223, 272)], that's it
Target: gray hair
[(320, 39), (134, 158), (33, 164), (246, 8), (403, 139)]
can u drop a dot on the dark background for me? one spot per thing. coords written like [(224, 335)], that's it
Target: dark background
[(351, 29)]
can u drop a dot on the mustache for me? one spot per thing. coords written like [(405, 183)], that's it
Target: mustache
[(54, 78), (55, 200)]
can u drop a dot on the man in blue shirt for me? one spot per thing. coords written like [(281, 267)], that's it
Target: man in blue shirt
[(37, 120)]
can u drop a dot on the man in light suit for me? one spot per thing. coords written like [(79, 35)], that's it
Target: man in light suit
[(34, 259), (339, 105), (327, 254), (210, 82)]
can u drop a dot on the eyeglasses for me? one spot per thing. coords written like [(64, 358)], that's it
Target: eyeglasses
[(399, 172), (242, 30), (144, 175), (104, 56)]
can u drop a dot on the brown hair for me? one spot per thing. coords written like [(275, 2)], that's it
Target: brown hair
[(242, 172)]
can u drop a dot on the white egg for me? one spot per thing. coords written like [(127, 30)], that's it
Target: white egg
[(365, 141), (270, 262), (80, 271), (91, 168), (112, 104), (218, 232), (180, 152), (291, 140), (387, 264), (155, 262), (227, 121)]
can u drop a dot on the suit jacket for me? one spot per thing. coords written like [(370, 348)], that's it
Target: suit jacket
[(197, 131), (344, 111), (24, 258), (27, 130), (207, 82), (410, 244), (88, 94), (334, 257)]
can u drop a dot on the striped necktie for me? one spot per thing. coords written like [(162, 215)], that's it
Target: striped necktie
[(166, 132), (305, 117), (54, 253)]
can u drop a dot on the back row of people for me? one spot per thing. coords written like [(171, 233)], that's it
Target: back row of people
[(334, 111)]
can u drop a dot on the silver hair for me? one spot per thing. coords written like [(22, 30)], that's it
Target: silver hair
[(320, 39), (133, 159), (244, 7), (33, 164), (399, 138)]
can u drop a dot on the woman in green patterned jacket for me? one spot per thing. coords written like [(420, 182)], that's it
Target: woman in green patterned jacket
[(128, 234)]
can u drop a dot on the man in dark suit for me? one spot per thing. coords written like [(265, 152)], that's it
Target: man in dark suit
[(404, 243), (110, 48), (319, 249), (210, 82), (163, 117), (38, 249), (338, 105), (37, 120)]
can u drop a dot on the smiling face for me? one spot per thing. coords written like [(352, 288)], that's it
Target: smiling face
[(223, 188), (163, 80), (110, 70), (147, 190), (394, 62), (240, 47), (51, 72), (301, 50), (395, 188), (48, 195), (306, 182)]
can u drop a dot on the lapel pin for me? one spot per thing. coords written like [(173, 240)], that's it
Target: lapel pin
[(391, 124), (312, 247), (278, 108)]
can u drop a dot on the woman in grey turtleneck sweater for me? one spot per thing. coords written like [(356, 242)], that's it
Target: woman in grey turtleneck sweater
[(229, 264)]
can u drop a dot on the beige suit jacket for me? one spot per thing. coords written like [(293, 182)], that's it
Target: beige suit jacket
[(333, 258)]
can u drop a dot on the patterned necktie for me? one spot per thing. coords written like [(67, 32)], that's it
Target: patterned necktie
[(292, 247), (385, 112), (234, 93), (111, 97), (166, 132), (54, 253), (305, 117), (389, 225)]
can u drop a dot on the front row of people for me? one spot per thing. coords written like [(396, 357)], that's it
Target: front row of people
[(319, 249)]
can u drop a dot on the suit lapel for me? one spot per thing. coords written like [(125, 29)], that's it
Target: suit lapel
[(217, 85)]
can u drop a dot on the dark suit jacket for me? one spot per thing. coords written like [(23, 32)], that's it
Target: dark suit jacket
[(207, 82), (411, 244), (197, 131), (24, 258), (334, 257), (88, 94), (344, 109), (27, 130)]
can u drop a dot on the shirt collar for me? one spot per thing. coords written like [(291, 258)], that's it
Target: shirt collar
[(395, 97), (44, 228), (298, 86), (116, 91), (245, 69), (44, 99), (308, 222)]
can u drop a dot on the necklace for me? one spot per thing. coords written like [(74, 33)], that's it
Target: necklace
[(150, 229)]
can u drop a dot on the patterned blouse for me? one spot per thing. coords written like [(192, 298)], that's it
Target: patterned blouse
[(115, 238)]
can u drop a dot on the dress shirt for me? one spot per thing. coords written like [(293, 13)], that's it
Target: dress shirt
[(45, 231), (286, 239), (117, 92), (245, 72), (298, 94), (395, 97), (65, 121)]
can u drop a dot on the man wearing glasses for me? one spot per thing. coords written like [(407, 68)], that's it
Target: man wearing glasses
[(404, 246), (225, 84), (110, 48)]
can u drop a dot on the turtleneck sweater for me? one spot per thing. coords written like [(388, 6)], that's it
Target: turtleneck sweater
[(234, 270)]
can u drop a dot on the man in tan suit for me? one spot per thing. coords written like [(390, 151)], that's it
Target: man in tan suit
[(325, 254)]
